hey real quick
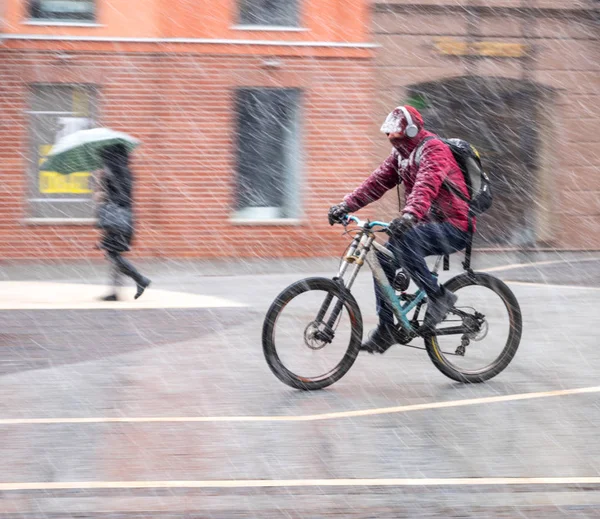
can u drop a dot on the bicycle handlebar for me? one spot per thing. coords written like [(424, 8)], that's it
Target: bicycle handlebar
[(364, 224)]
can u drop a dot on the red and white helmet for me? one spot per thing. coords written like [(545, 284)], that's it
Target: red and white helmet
[(405, 119)]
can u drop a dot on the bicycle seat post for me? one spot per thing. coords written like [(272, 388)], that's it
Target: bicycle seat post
[(436, 267)]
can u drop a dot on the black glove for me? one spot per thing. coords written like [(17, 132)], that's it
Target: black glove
[(399, 226), (337, 212)]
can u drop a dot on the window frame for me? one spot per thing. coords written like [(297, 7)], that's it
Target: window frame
[(276, 25), (56, 206), (292, 197), (69, 19)]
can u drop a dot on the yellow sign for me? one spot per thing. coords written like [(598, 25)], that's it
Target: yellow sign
[(480, 48), (51, 182), (75, 183)]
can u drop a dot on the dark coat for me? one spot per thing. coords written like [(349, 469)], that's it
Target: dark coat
[(425, 196), (117, 184)]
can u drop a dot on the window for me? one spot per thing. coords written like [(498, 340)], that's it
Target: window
[(57, 111), (62, 10), (269, 12), (267, 154)]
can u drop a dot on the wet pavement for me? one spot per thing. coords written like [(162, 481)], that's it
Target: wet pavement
[(99, 402)]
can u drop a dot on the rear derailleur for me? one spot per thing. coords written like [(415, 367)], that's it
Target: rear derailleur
[(475, 327)]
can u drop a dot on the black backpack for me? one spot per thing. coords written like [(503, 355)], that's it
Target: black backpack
[(478, 183)]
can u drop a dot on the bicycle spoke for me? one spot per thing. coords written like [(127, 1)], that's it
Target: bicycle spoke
[(311, 347), (485, 319)]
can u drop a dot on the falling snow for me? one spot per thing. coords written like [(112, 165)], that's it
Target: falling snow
[(250, 119)]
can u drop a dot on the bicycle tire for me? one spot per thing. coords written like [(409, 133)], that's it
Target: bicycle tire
[(514, 335), (268, 334)]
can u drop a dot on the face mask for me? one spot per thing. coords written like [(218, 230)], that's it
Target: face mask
[(397, 141)]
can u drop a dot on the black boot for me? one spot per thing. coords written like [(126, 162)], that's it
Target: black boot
[(127, 268), (381, 339), (438, 307), (110, 297), (142, 284)]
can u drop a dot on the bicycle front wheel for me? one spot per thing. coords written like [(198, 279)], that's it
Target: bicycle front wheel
[(312, 333), (489, 313)]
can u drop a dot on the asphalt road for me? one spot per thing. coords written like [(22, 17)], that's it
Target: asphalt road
[(172, 412)]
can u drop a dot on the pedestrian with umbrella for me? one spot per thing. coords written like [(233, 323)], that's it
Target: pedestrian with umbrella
[(101, 148)]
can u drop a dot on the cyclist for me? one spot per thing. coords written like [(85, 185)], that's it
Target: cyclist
[(433, 221)]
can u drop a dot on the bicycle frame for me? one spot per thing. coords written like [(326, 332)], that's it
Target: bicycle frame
[(466, 322), (363, 249)]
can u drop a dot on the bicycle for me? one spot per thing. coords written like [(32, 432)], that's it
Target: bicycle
[(313, 330)]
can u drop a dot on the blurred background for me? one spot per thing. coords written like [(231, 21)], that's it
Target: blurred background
[(254, 117)]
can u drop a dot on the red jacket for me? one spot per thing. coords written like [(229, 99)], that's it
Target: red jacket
[(425, 196)]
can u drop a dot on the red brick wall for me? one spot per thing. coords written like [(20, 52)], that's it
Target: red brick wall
[(566, 58), (181, 107)]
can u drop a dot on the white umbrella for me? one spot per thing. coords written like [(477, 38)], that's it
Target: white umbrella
[(79, 151)]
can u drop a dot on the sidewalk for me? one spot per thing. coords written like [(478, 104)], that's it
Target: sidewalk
[(30, 285), (92, 271)]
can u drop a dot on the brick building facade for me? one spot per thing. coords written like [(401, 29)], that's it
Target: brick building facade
[(188, 81), (519, 78)]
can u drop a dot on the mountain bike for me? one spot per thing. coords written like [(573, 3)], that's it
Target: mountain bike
[(313, 330)]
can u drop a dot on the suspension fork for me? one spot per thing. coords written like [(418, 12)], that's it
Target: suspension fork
[(364, 242)]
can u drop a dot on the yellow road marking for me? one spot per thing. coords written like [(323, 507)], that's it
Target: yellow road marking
[(513, 266), (256, 483), (303, 418), (544, 285)]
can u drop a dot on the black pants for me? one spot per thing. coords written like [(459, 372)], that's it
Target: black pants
[(122, 266), (410, 251)]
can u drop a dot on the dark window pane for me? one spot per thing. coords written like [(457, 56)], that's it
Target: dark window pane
[(269, 12), (62, 9), (267, 144)]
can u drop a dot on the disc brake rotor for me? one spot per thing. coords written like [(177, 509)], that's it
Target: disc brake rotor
[(311, 336), (483, 331), (477, 325)]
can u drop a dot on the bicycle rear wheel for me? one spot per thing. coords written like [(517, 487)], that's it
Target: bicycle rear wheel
[(312, 333), (488, 309)]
